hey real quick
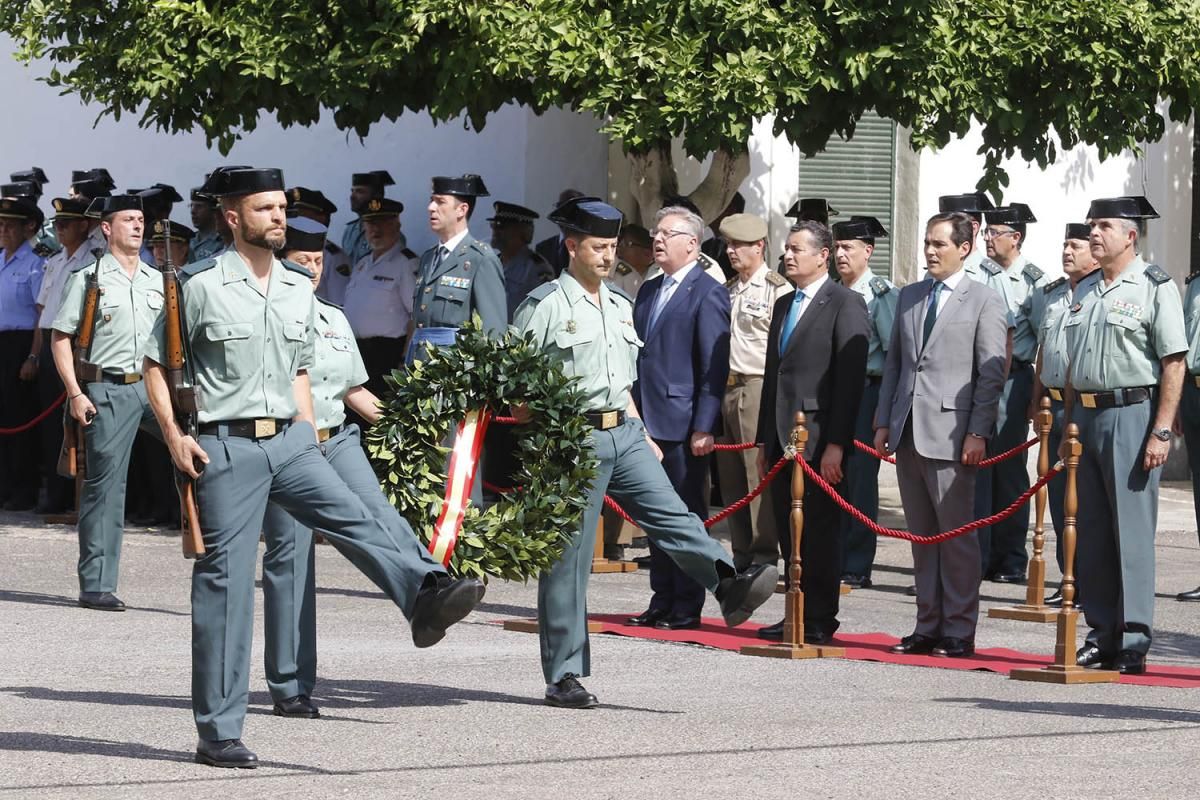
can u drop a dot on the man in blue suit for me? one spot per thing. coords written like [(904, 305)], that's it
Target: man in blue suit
[(683, 318)]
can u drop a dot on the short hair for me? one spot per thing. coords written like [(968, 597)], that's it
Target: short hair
[(1138, 226), (1020, 228), (961, 231), (691, 220), (820, 234)]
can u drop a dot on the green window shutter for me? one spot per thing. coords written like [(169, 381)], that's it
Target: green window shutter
[(858, 177)]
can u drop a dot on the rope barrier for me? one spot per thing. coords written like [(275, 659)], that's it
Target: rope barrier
[(36, 420), (866, 448)]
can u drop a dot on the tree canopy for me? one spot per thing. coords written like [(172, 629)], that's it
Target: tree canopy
[(1030, 72)]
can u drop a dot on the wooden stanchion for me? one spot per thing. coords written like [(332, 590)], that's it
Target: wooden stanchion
[(600, 564), (1034, 609), (793, 645), (1064, 669)]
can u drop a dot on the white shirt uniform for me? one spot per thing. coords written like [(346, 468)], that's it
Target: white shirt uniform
[(379, 295), (57, 269)]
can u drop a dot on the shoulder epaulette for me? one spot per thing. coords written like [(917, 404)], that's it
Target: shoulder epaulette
[(196, 267), (1156, 273), (1189, 278), (707, 259), (45, 250), (990, 267), (622, 268), (731, 284), (294, 267), (542, 291), (1052, 285), (1032, 272), (325, 302), (879, 286), (775, 279), (617, 290), (407, 253)]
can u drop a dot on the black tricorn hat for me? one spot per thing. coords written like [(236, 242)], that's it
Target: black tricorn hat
[(103, 206), (380, 207), (301, 196), (816, 209), (36, 174), (91, 188), (588, 215), (463, 186), (1129, 207), (376, 179), (30, 189), (511, 212), (19, 208), (198, 195), (159, 193), (98, 174), (1011, 214), (171, 230), (234, 181), (971, 203), (1078, 230), (66, 208), (306, 235), (859, 227)]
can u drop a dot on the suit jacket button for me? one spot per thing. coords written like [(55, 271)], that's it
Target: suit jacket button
[(920, 368)]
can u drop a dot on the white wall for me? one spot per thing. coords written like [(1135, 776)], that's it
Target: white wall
[(523, 158)]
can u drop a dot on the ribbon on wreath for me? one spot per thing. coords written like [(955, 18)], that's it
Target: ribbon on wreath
[(464, 460)]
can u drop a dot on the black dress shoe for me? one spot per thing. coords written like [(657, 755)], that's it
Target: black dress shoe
[(440, 605), (817, 636), (229, 753), (614, 552), (911, 591), (300, 706), (856, 581), (20, 504), (1054, 600), (101, 601), (1130, 662), (648, 618), (742, 594), (953, 647), (1090, 655), (772, 632), (915, 644), (674, 623), (1007, 577), (1189, 597), (569, 693)]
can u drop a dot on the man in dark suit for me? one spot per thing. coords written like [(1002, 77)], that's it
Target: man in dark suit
[(554, 248), (938, 401), (816, 363), (682, 316)]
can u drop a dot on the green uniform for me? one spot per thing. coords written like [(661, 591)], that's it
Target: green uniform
[(597, 344), (1050, 308), (1189, 410), (453, 286), (1116, 337), (247, 345), (862, 469), (125, 314), (205, 245)]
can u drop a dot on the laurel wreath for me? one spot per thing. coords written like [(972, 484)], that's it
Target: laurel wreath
[(525, 532)]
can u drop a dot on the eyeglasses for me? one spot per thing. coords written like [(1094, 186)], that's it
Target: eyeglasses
[(657, 232), (991, 233)]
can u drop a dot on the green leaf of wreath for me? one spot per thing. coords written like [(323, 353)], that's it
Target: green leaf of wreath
[(525, 533)]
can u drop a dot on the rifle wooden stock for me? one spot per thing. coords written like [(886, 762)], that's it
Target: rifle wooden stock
[(185, 400), (72, 456)]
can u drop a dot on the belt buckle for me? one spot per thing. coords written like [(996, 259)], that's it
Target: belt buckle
[(731, 380), (131, 377), (1056, 395), (608, 419), (323, 435), (264, 428), (1087, 399), (1196, 379)]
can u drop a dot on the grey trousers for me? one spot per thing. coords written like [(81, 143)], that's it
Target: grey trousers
[(630, 473), (862, 489)]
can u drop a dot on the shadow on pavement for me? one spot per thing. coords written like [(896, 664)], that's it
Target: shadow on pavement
[(1080, 710), (40, 599)]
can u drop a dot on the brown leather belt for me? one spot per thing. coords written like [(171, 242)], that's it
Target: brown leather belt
[(1055, 394), (604, 420), (121, 377), (325, 434), (246, 428), (1115, 398), (739, 379)]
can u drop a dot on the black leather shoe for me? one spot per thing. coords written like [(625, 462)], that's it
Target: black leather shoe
[(648, 618), (1189, 597), (674, 623), (228, 753), (300, 706), (1007, 577), (101, 601), (911, 591), (614, 552), (915, 644), (1054, 600), (856, 581), (817, 636), (1090, 655), (1130, 662), (442, 604), (772, 632), (953, 647), (20, 504), (569, 693), (741, 594)]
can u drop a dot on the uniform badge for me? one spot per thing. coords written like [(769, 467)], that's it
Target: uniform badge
[(571, 327), (455, 281), (1076, 307)]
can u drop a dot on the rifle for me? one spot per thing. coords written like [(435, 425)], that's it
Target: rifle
[(185, 400), (72, 457)]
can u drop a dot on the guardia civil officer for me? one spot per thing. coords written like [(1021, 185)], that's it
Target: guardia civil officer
[(1126, 344), (524, 269), (1189, 410), (586, 327), (364, 187), (313, 204), (206, 242), (111, 402), (854, 243), (460, 275), (251, 324)]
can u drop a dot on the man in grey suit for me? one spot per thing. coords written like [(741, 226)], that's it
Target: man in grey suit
[(938, 401)]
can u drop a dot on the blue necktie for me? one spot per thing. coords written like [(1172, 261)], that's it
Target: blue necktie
[(660, 301), (931, 312), (793, 317)]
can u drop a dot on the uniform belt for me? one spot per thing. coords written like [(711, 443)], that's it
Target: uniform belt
[(604, 420), (245, 428), (325, 434), (740, 379), (121, 377), (1019, 364), (1115, 398), (1055, 394)]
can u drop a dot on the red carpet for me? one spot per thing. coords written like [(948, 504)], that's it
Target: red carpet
[(874, 647)]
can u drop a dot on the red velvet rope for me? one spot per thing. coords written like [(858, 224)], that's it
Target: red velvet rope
[(36, 420)]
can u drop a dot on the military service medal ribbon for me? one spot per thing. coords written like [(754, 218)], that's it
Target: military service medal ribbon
[(464, 459)]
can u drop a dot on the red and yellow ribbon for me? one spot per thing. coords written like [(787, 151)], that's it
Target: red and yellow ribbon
[(464, 459)]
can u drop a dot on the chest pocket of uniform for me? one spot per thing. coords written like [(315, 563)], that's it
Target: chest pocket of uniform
[(108, 315), (451, 294), (574, 345), (1123, 321), (231, 344), (634, 344), (154, 300), (293, 334)]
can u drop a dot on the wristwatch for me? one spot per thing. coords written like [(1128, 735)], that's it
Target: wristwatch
[(1162, 434)]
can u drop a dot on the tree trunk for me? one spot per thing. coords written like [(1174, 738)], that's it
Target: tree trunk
[(653, 178)]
